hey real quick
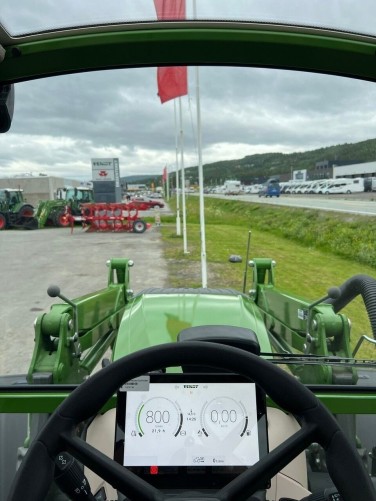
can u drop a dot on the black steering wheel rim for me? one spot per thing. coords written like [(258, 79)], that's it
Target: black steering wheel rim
[(344, 464)]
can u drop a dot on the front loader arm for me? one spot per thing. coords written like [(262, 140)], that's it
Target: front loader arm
[(298, 326), (71, 339)]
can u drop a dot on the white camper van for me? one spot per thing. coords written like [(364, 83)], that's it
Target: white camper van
[(232, 187), (348, 185)]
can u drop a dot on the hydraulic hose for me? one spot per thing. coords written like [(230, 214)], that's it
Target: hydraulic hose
[(358, 284)]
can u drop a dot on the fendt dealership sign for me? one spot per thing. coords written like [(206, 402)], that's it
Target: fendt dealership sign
[(106, 169)]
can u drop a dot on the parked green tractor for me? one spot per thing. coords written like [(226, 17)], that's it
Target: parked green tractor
[(64, 208), (14, 211)]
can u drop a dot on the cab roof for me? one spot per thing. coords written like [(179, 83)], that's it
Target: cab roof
[(83, 36)]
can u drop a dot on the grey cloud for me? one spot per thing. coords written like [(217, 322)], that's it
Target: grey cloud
[(119, 113)]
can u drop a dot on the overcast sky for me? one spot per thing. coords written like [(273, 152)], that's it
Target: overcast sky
[(61, 123)]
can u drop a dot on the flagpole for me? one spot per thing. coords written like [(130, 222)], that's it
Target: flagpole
[(185, 249), (204, 278), (178, 225)]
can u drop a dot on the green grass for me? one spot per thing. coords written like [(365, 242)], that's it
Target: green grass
[(308, 262)]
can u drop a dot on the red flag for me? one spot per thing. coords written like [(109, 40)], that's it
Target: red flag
[(170, 9), (164, 175), (172, 80)]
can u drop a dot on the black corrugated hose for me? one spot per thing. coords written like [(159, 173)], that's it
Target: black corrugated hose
[(358, 284)]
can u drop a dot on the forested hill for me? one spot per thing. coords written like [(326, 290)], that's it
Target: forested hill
[(253, 168), (257, 168)]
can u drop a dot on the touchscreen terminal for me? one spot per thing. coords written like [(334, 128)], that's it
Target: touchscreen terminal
[(207, 428)]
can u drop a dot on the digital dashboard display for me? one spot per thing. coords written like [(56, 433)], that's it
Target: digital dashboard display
[(187, 424)]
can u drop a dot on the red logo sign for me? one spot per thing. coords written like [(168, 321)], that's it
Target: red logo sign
[(103, 173)]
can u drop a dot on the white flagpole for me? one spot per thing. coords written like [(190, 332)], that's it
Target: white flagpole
[(178, 225), (185, 249), (204, 279)]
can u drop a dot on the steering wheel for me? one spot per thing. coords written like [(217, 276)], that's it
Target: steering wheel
[(36, 472)]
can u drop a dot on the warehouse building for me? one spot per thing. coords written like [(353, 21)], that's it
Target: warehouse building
[(37, 188), (366, 169)]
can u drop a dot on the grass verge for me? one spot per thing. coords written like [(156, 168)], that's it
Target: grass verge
[(306, 266)]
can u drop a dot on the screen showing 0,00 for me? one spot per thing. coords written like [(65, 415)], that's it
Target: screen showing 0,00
[(192, 424)]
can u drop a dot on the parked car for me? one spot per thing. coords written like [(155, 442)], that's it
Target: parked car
[(143, 203)]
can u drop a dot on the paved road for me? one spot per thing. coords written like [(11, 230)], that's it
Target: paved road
[(33, 260), (363, 203)]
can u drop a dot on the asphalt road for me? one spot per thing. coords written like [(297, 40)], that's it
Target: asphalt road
[(360, 203), (33, 260)]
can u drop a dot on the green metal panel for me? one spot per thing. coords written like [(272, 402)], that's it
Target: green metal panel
[(36, 402), (157, 318), (219, 43), (40, 402)]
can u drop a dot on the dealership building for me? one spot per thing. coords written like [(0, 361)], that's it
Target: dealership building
[(366, 169), (36, 188), (329, 169)]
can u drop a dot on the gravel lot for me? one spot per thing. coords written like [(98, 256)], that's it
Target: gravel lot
[(33, 260)]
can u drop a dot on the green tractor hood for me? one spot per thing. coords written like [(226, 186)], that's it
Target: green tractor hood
[(157, 316)]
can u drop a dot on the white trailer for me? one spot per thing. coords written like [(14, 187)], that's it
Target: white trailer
[(232, 187)]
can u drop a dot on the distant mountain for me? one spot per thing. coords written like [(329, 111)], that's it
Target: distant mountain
[(257, 168), (142, 179)]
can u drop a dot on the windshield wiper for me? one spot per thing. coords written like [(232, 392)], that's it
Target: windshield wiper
[(293, 359)]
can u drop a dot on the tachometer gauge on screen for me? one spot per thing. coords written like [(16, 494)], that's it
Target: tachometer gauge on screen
[(158, 416)]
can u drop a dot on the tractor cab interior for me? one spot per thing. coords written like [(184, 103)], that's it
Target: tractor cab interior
[(184, 392)]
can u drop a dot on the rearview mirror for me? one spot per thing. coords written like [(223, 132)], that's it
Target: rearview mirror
[(6, 106)]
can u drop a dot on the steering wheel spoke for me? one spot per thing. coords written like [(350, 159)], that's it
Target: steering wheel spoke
[(258, 475), (113, 473)]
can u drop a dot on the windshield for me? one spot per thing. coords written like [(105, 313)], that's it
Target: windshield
[(176, 171), (70, 159), (247, 126)]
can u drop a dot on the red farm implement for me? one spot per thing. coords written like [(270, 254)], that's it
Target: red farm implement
[(112, 217)]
